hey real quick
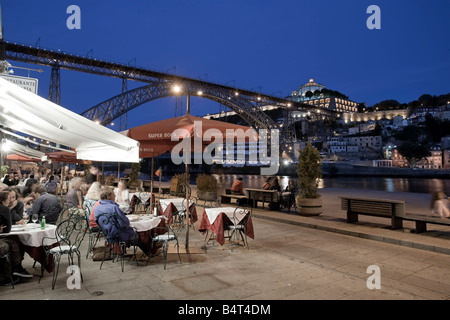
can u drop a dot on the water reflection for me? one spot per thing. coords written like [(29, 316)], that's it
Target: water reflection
[(417, 185)]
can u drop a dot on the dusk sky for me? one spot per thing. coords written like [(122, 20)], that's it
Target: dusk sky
[(272, 46)]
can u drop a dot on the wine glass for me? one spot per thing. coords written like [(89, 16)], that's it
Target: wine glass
[(35, 218)]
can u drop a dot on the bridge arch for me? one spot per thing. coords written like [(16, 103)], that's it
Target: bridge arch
[(245, 106)]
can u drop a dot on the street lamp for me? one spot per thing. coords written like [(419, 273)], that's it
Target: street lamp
[(23, 68), (176, 88)]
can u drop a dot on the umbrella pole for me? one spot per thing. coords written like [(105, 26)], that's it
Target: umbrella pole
[(61, 183), (188, 111), (151, 188), (187, 207)]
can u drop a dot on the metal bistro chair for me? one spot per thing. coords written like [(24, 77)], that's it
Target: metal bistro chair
[(69, 235), (165, 235), (239, 227), (117, 248), (182, 213), (94, 234), (7, 259), (66, 212)]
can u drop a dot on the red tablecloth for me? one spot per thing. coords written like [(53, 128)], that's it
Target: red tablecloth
[(38, 254), (223, 219), (146, 236), (171, 208), (31, 242), (135, 200)]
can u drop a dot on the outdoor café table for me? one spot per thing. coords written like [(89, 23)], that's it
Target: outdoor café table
[(31, 236), (141, 198), (216, 219), (169, 206), (145, 225)]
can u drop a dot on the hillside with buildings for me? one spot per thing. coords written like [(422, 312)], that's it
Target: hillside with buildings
[(387, 134)]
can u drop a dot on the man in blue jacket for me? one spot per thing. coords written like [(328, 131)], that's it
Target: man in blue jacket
[(113, 222)]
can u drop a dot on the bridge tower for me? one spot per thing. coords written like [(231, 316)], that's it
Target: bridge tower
[(54, 92)]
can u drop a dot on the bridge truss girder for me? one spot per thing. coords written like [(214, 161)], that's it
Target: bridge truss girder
[(247, 107), (246, 103)]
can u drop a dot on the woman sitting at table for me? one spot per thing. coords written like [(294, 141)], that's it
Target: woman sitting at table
[(237, 187), (16, 207), (74, 196), (91, 198), (123, 197), (275, 184), (10, 244)]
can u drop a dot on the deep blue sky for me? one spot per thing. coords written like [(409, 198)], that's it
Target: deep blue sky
[(275, 46)]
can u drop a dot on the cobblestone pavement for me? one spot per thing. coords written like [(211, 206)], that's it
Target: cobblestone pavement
[(291, 258)]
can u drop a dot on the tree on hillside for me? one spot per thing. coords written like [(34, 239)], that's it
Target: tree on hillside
[(386, 104), (413, 151)]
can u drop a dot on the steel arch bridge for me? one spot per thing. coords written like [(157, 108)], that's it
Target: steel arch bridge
[(245, 105), (243, 102)]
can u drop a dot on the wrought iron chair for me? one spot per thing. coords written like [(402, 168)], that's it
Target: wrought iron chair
[(182, 213), (7, 259), (117, 247), (94, 234), (165, 235), (69, 235), (65, 213), (238, 225)]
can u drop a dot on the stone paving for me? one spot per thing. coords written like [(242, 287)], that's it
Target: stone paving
[(291, 258)]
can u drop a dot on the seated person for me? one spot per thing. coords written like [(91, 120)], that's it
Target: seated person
[(45, 204), (10, 244), (29, 183), (74, 196), (238, 186), (91, 198), (108, 211), (275, 184), (16, 207), (51, 185), (266, 185), (438, 205), (123, 197)]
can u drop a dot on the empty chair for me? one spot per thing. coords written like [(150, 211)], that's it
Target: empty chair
[(69, 235), (165, 235), (238, 225)]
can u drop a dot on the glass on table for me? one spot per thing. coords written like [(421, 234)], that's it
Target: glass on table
[(35, 218)]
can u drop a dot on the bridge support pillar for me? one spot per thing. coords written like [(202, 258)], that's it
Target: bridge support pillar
[(54, 93)]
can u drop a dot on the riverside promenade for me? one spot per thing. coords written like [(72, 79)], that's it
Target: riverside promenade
[(291, 258)]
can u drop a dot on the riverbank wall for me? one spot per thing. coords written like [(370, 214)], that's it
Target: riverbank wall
[(345, 169), (335, 169)]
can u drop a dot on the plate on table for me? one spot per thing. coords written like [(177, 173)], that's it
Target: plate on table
[(30, 226), (133, 217), (17, 228)]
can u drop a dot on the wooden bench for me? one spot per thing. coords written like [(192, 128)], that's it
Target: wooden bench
[(422, 220), (386, 208), (226, 198), (269, 196)]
